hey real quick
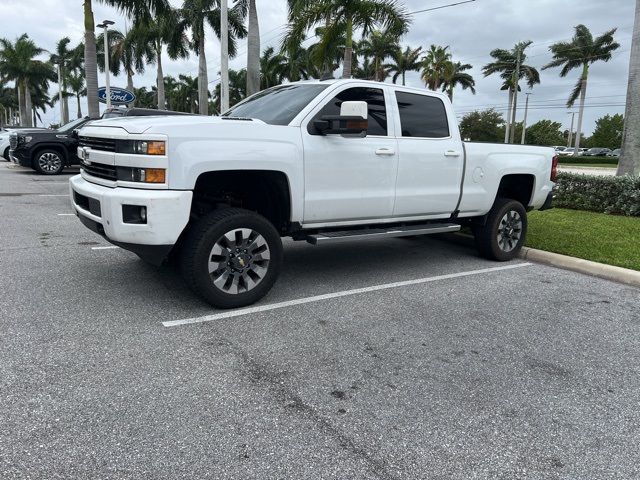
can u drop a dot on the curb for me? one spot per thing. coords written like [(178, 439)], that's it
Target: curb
[(601, 270), (595, 269)]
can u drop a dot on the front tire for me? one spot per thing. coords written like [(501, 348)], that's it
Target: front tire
[(504, 233), (5, 154), (48, 162), (231, 257)]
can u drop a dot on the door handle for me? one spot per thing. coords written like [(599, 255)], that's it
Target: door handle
[(452, 153), (385, 151)]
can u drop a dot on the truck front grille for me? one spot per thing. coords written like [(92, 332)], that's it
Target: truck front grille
[(100, 170), (95, 143)]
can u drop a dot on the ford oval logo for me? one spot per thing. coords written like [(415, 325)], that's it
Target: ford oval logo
[(119, 96)]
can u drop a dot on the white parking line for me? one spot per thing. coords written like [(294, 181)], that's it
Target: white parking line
[(52, 195), (66, 214), (344, 293), (104, 248)]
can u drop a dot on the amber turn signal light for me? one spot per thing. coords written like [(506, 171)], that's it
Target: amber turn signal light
[(155, 148), (154, 175)]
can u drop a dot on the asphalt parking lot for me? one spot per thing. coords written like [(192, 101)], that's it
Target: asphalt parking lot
[(464, 369)]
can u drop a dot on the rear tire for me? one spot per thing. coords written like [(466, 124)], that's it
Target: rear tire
[(504, 233), (48, 162), (231, 257)]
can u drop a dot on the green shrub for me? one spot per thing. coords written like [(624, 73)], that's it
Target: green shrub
[(616, 195), (587, 160)]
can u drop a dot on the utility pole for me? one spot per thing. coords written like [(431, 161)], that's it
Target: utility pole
[(105, 25), (224, 56), (60, 92), (508, 123), (629, 163), (515, 94), (524, 122), (573, 117)]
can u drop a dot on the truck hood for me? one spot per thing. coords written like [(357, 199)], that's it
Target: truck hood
[(164, 124)]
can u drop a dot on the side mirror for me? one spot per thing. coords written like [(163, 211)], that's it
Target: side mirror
[(353, 120)]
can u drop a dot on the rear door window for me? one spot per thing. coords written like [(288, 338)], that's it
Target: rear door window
[(422, 116)]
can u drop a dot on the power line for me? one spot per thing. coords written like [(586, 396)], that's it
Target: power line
[(440, 7)]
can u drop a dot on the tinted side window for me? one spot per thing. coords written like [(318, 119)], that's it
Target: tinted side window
[(375, 100), (422, 116)]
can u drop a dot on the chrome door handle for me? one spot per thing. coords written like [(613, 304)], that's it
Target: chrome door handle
[(452, 153), (385, 151)]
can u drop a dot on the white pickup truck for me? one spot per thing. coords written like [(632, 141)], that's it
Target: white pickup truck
[(321, 161)]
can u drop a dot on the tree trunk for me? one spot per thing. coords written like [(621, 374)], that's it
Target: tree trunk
[(253, 51), (90, 61), (160, 79), (130, 85), (27, 105), (203, 81), (79, 107), (508, 122), (65, 101), (583, 94), (348, 50), (21, 105), (512, 132), (629, 163)]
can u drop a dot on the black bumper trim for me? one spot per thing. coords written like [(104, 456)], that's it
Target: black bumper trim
[(548, 202), (154, 254)]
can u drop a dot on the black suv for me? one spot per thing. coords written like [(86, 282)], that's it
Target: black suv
[(48, 151)]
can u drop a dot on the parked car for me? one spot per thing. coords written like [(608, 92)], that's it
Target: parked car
[(46, 151), (4, 140), (596, 152), (564, 151), (320, 161), (49, 151), (614, 153)]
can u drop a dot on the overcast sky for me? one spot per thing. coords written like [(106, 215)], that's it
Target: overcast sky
[(471, 30)]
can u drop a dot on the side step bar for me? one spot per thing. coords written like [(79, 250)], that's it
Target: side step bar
[(365, 234)]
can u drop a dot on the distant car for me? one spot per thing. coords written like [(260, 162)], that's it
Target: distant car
[(565, 151), (614, 153), (597, 152), (116, 112), (49, 151)]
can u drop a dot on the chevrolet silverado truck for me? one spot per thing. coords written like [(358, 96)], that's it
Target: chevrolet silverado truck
[(319, 161)]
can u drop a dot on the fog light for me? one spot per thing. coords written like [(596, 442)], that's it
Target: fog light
[(134, 214)]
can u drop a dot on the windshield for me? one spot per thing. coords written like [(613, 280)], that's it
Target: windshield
[(68, 127), (278, 105)]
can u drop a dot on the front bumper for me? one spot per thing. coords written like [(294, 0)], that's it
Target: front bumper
[(100, 209)]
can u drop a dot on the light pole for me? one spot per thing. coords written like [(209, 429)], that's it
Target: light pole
[(105, 25), (524, 122)]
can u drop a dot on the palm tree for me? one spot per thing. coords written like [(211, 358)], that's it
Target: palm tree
[(454, 74), (136, 8), (62, 57), (76, 83), (155, 33), (630, 156), (248, 8), (379, 45), (582, 51), (345, 15), (194, 16), (273, 68), (403, 62), (511, 67), (8, 103), (17, 63), (434, 65)]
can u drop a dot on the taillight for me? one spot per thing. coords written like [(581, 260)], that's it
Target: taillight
[(554, 168)]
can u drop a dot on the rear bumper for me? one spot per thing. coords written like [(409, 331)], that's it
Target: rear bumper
[(101, 210)]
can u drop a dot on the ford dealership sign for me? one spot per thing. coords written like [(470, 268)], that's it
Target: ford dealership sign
[(119, 96)]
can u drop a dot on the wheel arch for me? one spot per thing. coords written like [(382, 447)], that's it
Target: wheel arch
[(50, 146), (266, 192), (517, 186)]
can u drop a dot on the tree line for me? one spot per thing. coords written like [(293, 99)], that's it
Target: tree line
[(363, 38)]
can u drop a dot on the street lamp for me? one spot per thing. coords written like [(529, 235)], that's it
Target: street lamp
[(105, 25)]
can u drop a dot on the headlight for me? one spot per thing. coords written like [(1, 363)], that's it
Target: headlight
[(27, 139), (142, 147)]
